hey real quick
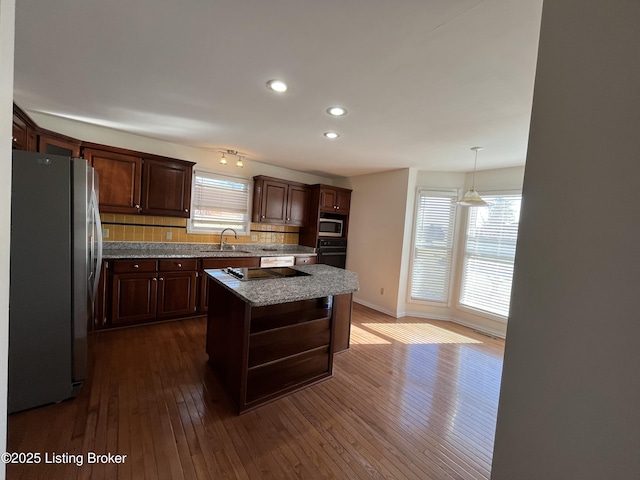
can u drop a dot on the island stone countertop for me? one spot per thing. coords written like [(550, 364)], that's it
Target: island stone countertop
[(120, 250), (323, 281)]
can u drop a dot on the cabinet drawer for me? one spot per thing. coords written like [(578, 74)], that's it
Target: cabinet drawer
[(230, 262), (308, 260), (282, 342), (134, 266), (178, 264), (287, 373)]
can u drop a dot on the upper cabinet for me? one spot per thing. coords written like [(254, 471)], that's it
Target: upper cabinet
[(28, 136), (279, 202), (130, 182), (24, 135), (325, 201), (55, 144), (334, 199), (119, 180), (166, 187)]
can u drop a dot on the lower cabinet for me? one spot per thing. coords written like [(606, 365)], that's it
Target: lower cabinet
[(305, 260), (213, 263), (147, 290), (177, 283), (263, 353)]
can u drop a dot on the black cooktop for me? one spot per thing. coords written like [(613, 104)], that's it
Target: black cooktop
[(246, 274)]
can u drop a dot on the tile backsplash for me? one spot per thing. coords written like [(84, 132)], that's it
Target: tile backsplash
[(141, 228)]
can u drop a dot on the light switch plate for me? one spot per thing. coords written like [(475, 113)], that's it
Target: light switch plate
[(105, 233), (169, 235), (254, 237)]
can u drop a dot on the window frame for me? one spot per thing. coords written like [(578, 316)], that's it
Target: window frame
[(486, 195), (453, 194), (246, 229)]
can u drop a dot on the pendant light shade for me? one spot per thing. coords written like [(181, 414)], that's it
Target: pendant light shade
[(472, 197)]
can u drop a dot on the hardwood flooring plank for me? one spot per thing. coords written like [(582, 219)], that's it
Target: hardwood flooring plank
[(411, 399)]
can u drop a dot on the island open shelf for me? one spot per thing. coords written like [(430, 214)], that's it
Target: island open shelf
[(263, 352)]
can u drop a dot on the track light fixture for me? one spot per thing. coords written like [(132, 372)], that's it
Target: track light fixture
[(235, 153)]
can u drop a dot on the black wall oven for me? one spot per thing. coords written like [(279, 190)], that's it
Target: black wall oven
[(332, 252)]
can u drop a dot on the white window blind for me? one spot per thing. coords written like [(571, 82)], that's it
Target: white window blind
[(433, 245), (489, 254), (219, 202)]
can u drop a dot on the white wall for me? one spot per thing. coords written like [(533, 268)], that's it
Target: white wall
[(7, 20), (381, 234), (204, 158), (570, 396), (376, 236)]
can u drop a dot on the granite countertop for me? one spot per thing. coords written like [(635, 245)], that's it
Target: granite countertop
[(324, 280), (119, 250)]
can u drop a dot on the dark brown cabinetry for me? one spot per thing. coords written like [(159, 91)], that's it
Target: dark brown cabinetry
[(334, 199), (342, 309), (58, 145), (130, 182), (177, 284), (24, 135), (236, 262), (263, 353), (329, 202), (120, 180), (134, 291), (305, 260), (279, 202), (133, 183), (146, 290), (28, 136), (166, 187)]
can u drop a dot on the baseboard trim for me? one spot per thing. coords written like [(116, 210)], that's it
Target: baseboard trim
[(483, 329), (375, 307), (480, 328)]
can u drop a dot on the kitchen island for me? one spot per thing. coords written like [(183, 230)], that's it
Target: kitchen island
[(269, 337)]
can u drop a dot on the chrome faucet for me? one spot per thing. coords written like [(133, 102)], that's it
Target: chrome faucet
[(222, 237)]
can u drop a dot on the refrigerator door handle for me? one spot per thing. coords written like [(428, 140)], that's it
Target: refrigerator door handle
[(98, 259)]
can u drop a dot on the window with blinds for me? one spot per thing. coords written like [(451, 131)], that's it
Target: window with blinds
[(433, 245), (490, 250), (219, 202)]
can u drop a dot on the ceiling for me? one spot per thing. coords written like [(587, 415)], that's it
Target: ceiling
[(422, 80)]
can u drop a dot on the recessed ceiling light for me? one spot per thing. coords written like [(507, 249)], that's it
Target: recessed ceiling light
[(331, 135), (337, 111), (277, 86)]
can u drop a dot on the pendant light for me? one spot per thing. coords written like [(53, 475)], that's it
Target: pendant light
[(472, 197), (223, 159)]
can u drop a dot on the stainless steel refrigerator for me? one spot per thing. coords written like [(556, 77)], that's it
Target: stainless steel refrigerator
[(56, 250)]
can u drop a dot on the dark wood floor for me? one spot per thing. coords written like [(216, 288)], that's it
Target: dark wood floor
[(411, 399)]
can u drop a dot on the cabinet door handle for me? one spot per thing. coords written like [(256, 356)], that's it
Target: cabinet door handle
[(179, 265), (161, 279), (262, 216), (186, 210), (136, 266), (154, 279), (138, 206), (288, 219)]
